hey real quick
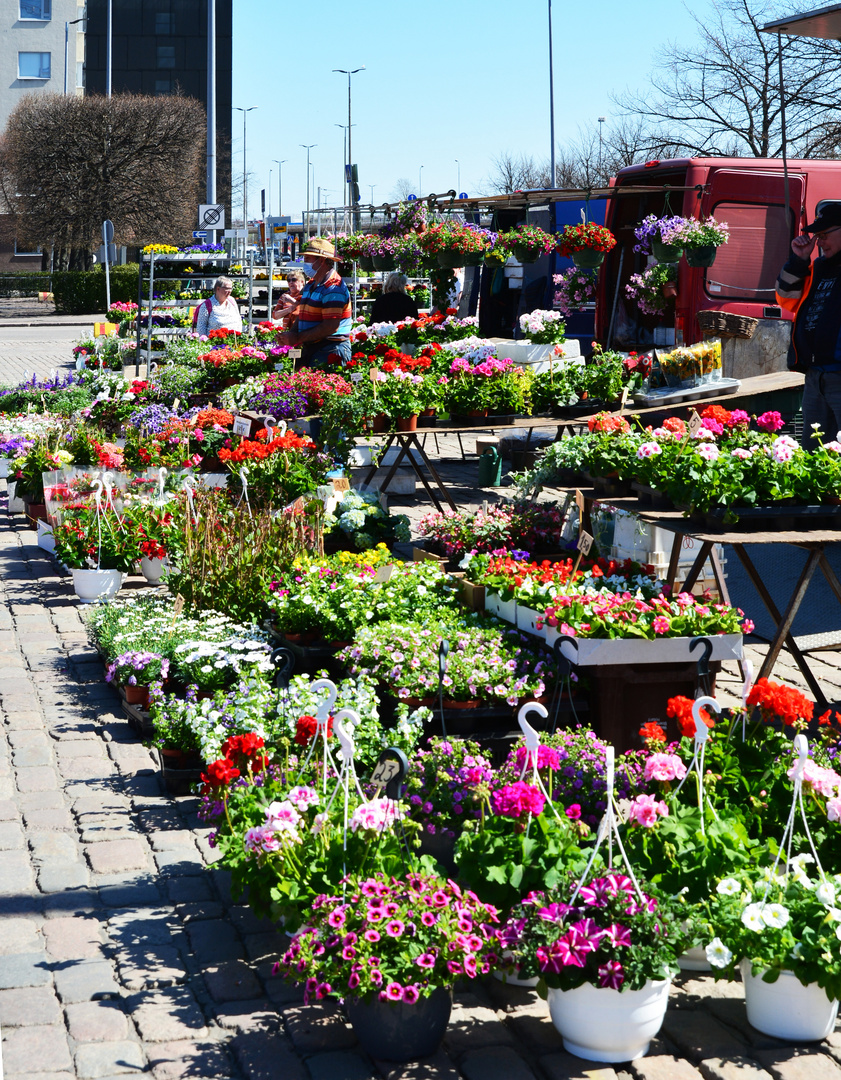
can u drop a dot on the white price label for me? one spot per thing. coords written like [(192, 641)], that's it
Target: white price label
[(242, 426)]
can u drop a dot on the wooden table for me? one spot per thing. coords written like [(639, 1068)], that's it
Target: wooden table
[(814, 541)]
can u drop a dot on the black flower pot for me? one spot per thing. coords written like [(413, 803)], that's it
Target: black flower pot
[(397, 1031)]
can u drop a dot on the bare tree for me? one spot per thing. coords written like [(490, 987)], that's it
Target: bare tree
[(402, 189), (720, 95), (592, 157), (517, 173), (68, 163)]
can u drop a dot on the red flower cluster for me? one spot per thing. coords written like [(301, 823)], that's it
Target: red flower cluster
[(652, 733), (222, 334), (249, 450), (613, 425), (776, 700), (307, 729), (241, 754), (681, 709), (209, 418), (675, 424), (219, 773), (634, 362), (584, 236)]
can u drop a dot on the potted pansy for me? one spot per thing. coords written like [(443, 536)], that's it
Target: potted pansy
[(606, 950), (783, 933), (661, 237), (586, 244), (393, 947), (134, 672)]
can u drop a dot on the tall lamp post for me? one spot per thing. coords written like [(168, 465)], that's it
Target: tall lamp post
[(458, 183), (307, 222), (245, 113), (345, 71), (601, 121), (67, 26), (345, 184), (280, 165), (553, 180), (109, 34), (420, 182)]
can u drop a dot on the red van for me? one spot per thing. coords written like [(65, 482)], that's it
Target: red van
[(747, 193)]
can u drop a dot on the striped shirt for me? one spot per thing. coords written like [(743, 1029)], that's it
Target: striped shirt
[(323, 303)]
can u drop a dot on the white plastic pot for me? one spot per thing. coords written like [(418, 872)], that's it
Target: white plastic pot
[(527, 620), (16, 505), (609, 1025), (695, 959), (786, 1008), (45, 537), (503, 609), (153, 569), (93, 585)]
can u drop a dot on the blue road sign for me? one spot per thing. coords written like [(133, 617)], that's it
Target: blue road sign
[(462, 194), (199, 234), (410, 198)]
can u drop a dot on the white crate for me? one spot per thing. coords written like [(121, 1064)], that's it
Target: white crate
[(643, 542)]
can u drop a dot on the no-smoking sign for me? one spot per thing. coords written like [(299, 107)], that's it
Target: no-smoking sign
[(211, 216)]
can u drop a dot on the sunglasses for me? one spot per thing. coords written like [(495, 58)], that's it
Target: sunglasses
[(819, 236)]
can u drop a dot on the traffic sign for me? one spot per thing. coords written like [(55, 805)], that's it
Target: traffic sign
[(211, 216), (107, 232), (199, 234), (462, 194), (411, 198)]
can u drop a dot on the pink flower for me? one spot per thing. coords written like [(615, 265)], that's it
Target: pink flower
[(833, 809), (769, 421), (426, 960), (661, 625), (645, 809), (514, 800), (610, 975), (394, 992), (708, 451), (573, 812), (411, 994), (664, 767)]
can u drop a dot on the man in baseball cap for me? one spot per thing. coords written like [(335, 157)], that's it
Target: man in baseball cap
[(812, 290), (322, 316)]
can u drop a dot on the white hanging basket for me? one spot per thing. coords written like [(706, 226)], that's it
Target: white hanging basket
[(93, 585), (153, 569), (601, 1024), (786, 1008)]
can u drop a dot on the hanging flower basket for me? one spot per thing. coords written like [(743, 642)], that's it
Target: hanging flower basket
[(701, 256), (665, 253), (384, 262), (586, 244), (366, 263), (451, 260), (587, 258)]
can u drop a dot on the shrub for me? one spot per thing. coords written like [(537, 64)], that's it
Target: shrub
[(82, 292)]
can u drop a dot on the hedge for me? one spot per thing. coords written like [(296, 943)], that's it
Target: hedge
[(28, 284), (82, 292)]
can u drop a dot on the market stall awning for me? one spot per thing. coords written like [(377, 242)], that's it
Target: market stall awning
[(822, 22)]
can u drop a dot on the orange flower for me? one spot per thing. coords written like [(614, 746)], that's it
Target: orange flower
[(776, 700), (652, 733), (681, 709)]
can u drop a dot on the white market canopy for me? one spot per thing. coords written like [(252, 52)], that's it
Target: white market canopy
[(823, 22)]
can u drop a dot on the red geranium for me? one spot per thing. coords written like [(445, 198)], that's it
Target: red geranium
[(652, 733), (307, 729), (219, 773), (681, 709), (776, 700)]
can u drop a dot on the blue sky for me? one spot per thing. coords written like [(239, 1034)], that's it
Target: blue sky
[(444, 80)]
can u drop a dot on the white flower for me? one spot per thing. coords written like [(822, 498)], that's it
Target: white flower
[(728, 886), (775, 915), (752, 917), (718, 954), (825, 892), (838, 932)]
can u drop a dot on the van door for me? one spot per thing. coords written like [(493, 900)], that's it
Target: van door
[(743, 275)]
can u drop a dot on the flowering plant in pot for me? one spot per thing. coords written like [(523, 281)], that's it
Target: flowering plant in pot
[(95, 539), (543, 327), (661, 237), (648, 288), (527, 242), (782, 931), (400, 394), (701, 239), (393, 948), (606, 950), (454, 243), (586, 244), (278, 469), (361, 517), (574, 288), (135, 672)]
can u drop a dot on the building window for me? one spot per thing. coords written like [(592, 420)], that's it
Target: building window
[(24, 249), (80, 74), (166, 56), (36, 9), (163, 86), (33, 65), (163, 22)]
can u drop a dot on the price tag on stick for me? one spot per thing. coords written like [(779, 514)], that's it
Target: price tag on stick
[(242, 426), (695, 423), (585, 542), (392, 766), (624, 400)]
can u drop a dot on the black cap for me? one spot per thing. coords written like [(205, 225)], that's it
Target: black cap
[(829, 217)]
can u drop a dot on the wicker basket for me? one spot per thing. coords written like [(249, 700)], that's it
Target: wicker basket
[(726, 324)]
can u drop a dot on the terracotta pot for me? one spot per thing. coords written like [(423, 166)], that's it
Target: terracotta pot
[(669, 289), (137, 695), (379, 423), (462, 704), (416, 702), (407, 423)]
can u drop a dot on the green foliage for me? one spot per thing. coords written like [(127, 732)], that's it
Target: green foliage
[(29, 284), (82, 292)]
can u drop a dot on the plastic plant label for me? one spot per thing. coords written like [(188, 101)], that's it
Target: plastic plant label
[(341, 483), (580, 503), (357, 376), (383, 574), (585, 542), (176, 404), (294, 354), (242, 426), (695, 423)]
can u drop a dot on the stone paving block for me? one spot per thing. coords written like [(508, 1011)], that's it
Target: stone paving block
[(732, 1068), (53, 847), (28, 757), (177, 1060), (179, 864), (318, 1027), (199, 912), (105, 830), (263, 1056), (174, 839), (466, 1024), (168, 1016), (129, 891), (45, 1045), (232, 981), (73, 938), (85, 768), (96, 1061), (19, 936), (59, 876), (664, 1067), (698, 1035), (11, 836), (215, 942), (9, 810), (247, 1016), (76, 748), (97, 1021), (265, 946), (37, 779), (339, 1065), (799, 1063), (184, 890), (15, 873), (86, 980), (26, 1006), (732, 1012), (496, 1063), (563, 1066), (7, 787), (109, 802), (24, 969), (48, 820), (41, 800), (143, 926), (152, 965), (117, 856)]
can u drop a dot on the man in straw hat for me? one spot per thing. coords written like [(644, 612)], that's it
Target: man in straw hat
[(321, 319)]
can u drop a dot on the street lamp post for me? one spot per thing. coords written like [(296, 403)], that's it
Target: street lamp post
[(345, 71), (420, 182), (108, 37), (307, 222), (67, 26), (280, 165), (245, 113), (553, 180), (372, 193), (601, 121), (458, 184)]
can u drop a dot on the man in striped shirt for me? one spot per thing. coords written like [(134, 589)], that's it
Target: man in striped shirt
[(323, 312), (812, 290)]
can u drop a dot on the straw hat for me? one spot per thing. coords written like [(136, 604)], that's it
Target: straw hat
[(320, 248)]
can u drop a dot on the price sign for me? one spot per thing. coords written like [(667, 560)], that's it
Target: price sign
[(585, 542), (294, 354), (374, 375), (357, 376), (383, 573), (178, 608), (392, 765), (695, 423), (242, 426), (624, 400), (341, 483), (175, 405), (579, 502)]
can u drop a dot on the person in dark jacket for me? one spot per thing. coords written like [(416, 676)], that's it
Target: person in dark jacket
[(394, 303), (812, 290)]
